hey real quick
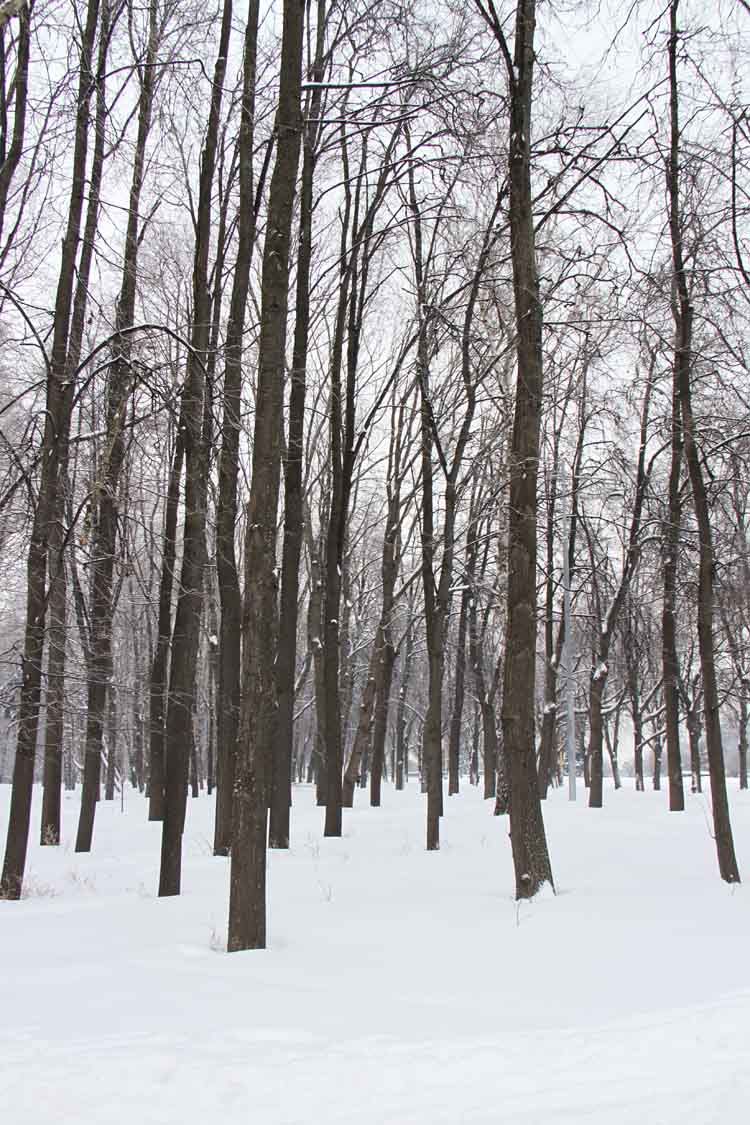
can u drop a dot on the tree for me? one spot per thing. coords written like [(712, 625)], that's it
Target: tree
[(684, 365), (58, 407), (192, 424), (230, 630), (528, 840), (247, 900)]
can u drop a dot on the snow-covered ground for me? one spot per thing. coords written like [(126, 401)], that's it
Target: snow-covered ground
[(399, 987)]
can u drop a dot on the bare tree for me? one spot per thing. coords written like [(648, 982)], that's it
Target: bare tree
[(247, 900)]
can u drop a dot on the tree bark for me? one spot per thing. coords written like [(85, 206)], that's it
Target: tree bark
[(281, 789), (247, 899), (528, 840), (683, 313), (58, 406), (193, 412), (230, 630)]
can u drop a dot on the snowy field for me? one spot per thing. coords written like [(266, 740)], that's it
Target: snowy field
[(399, 987)]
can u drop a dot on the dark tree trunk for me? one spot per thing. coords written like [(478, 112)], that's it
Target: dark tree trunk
[(281, 793), (742, 746), (344, 443), (13, 151), (58, 593), (528, 840), (657, 762), (612, 740), (247, 897), (552, 652), (315, 646), (112, 746), (683, 313), (694, 739), (193, 412), (638, 756), (160, 665), (55, 694), (459, 693), (670, 666), (402, 744), (213, 685), (58, 405), (475, 731), (363, 733), (600, 669), (230, 632)]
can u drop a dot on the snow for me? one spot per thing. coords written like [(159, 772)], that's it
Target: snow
[(400, 987)]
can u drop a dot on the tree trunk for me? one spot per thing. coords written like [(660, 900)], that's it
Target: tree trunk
[(58, 406), (402, 745), (742, 746), (230, 630), (683, 313), (528, 840), (247, 899), (281, 793), (459, 692), (363, 734), (193, 412), (657, 762), (670, 665)]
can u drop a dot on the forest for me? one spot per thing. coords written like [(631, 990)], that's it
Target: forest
[(374, 412)]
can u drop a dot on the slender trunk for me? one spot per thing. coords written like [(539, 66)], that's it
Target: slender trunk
[(213, 681), (742, 747), (383, 681), (55, 694), (193, 416), (551, 655), (694, 740), (247, 899), (160, 664), (528, 840), (612, 751), (657, 762), (670, 665), (363, 734), (474, 760), (112, 746), (638, 754), (230, 631), (58, 406), (14, 151), (293, 475), (103, 497), (402, 746), (683, 311), (459, 692)]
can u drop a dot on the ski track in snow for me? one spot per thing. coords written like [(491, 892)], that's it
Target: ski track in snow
[(399, 987)]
